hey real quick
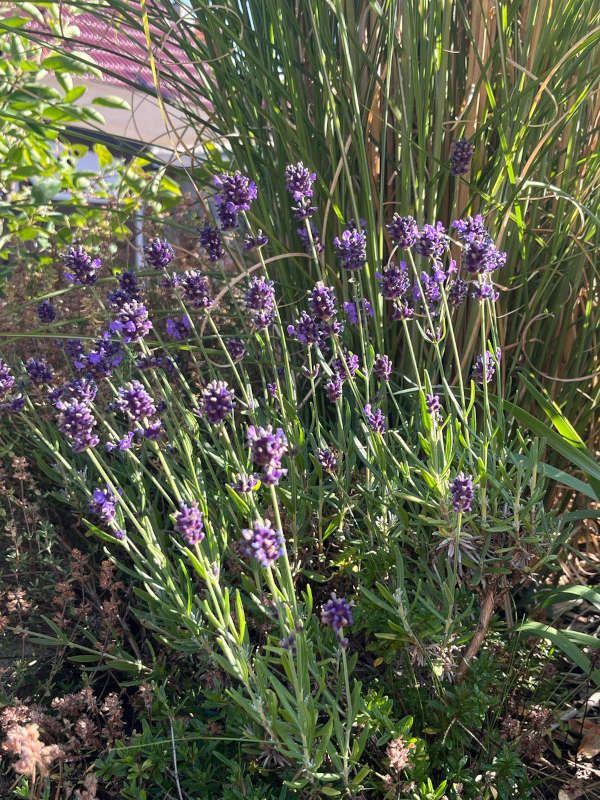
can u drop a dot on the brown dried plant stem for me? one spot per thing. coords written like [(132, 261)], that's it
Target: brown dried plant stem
[(490, 599)]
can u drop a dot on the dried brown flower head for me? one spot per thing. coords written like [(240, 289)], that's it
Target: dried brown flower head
[(34, 757)]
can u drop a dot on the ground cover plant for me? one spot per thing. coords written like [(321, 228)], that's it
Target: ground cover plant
[(345, 548)]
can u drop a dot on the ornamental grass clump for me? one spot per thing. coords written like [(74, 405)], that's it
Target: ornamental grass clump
[(291, 507)]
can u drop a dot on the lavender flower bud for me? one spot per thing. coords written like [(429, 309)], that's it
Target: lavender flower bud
[(351, 248), (217, 402), (462, 492), (382, 368), (82, 267), (189, 523), (159, 253), (264, 543), (403, 231), (460, 156), (46, 311)]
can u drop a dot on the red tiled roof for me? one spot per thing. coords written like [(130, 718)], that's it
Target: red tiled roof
[(121, 52)]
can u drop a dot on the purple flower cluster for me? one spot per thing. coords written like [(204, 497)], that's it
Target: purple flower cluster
[(189, 523), (46, 311), (245, 483), (462, 492), (132, 322), (216, 402), (77, 422), (403, 231), (159, 253), (327, 459), (196, 289), (267, 449), (255, 242), (236, 194), (484, 367), (82, 267), (264, 543), (351, 309), (321, 322), (375, 418), (349, 362), (480, 254), (210, 239), (351, 248), (432, 241), (458, 292), (434, 406), (236, 349), (382, 368), (128, 290), (83, 390), (337, 613), (134, 401), (259, 302), (299, 181), (179, 329), (103, 504), (461, 154), (7, 379), (106, 354), (305, 238), (39, 370), (393, 280)]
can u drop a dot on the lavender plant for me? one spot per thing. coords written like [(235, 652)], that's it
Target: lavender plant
[(288, 504)]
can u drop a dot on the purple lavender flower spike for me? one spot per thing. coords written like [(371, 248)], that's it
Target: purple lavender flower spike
[(322, 301), (132, 322), (46, 311), (462, 492), (306, 330), (382, 368), (210, 239), (403, 231), (259, 302), (179, 329), (264, 543), (352, 310), (485, 369), (458, 292), (82, 267), (352, 363), (255, 242), (402, 310), (485, 291), (128, 290), (268, 446), (351, 248), (236, 194), (432, 241), (434, 406), (480, 254), (393, 280), (460, 156), (196, 289), (337, 614), (333, 389), (236, 349), (135, 402), (159, 253), (39, 370), (299, 180), (305, 239), (7, 379), (189, 523), (245, 483), (77, 422), (327, 460), (103, 504), (375, 418), (217, 402)]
